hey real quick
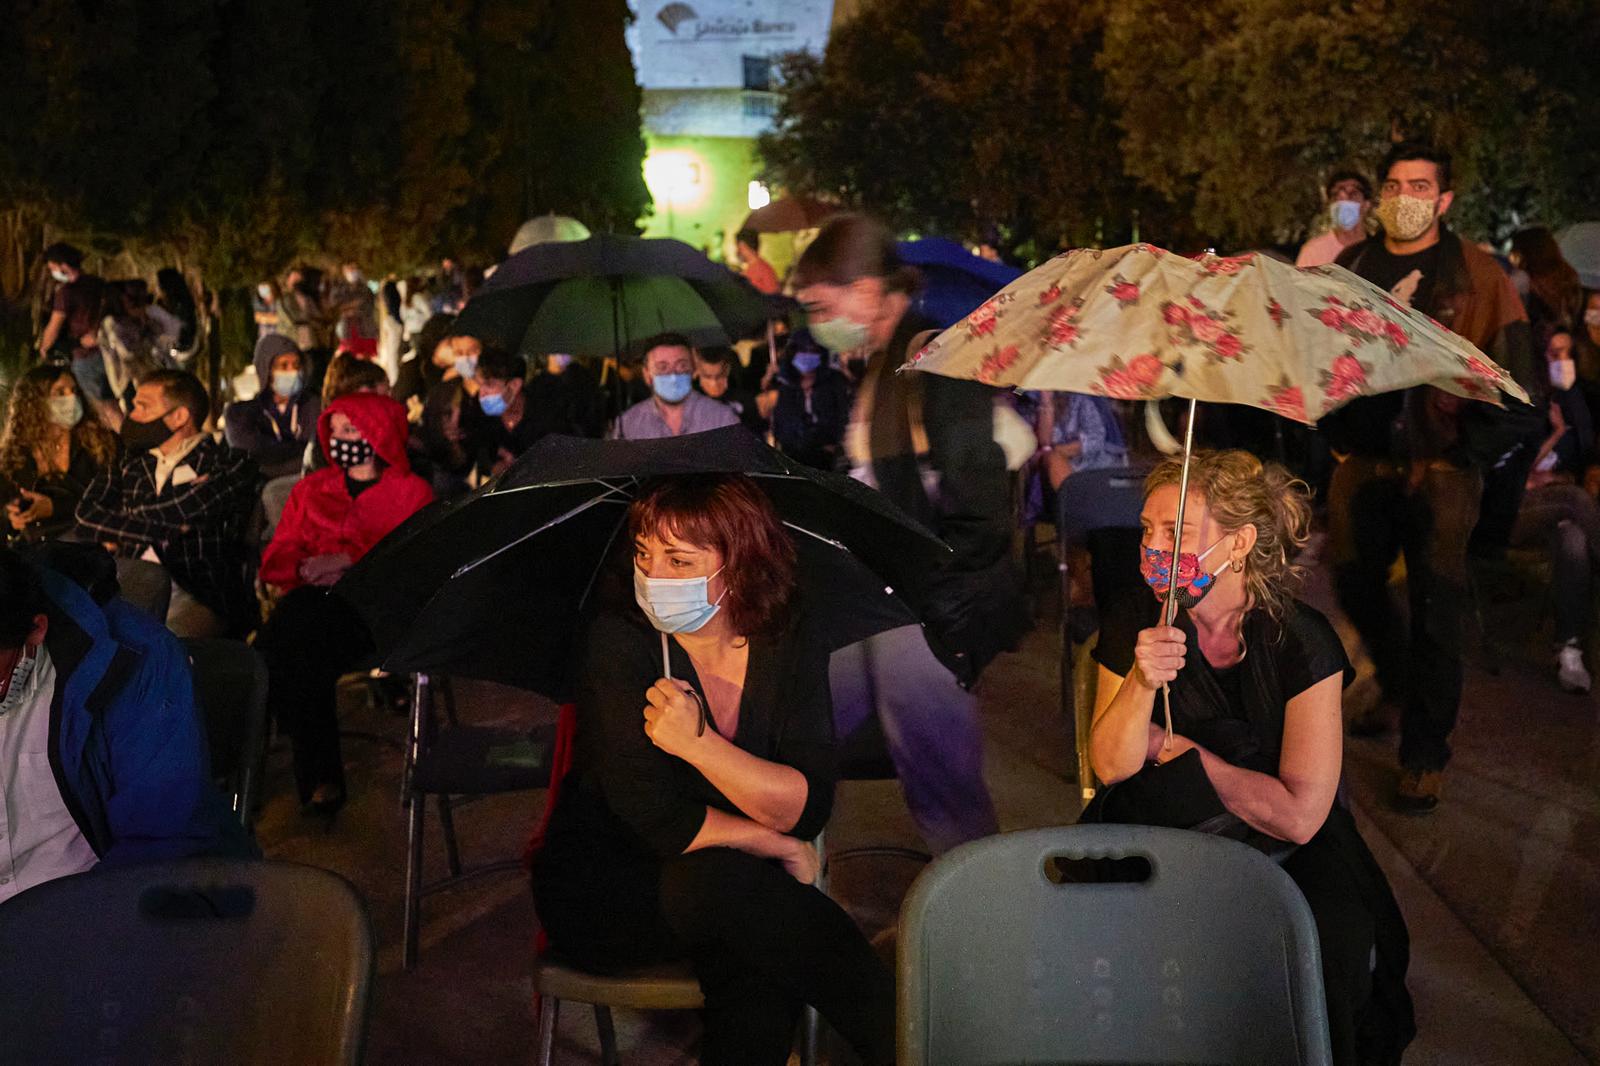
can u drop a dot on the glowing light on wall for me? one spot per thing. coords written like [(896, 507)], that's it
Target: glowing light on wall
[(675, 177)]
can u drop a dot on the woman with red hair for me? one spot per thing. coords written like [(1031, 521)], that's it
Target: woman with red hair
[(682, 828)]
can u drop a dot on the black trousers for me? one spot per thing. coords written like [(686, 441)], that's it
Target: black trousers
[(1371, 519), (762, 944), (312, 637)]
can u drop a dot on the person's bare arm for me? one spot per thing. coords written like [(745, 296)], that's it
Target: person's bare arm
[(52, 331), (771, 794), (1293, 805), (1120, 731), (724, 830)]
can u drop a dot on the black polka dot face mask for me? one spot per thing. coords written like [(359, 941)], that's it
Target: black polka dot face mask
[(349, 453)]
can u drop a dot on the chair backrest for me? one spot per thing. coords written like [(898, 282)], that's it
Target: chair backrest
[(200, 960), (146, 585), (230, 684), (1103, 498), (1211, 958)]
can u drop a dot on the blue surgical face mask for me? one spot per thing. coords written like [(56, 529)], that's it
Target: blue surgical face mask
[(467, 366), (1346, 214), (676, 604), (807, 362), (493, 404), (672, 388), (286, 383)]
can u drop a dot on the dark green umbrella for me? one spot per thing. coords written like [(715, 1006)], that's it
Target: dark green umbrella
[(604, 295)]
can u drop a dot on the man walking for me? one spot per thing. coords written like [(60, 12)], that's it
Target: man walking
[(1413, 465)]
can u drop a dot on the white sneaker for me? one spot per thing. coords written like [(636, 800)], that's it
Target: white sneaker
[(1571, 674)]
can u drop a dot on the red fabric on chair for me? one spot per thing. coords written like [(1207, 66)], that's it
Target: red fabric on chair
[(560, 763)]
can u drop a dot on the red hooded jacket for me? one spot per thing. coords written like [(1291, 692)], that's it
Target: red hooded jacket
[(321, 518)]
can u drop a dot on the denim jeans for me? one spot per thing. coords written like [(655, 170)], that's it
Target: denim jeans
[(931, 725), (1371, 519)]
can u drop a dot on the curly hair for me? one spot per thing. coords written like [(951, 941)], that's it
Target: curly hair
[(28, 419), (1241, 490), (730, 515)]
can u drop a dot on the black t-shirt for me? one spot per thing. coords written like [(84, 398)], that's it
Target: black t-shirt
[(1366, 426), (1236, 713), (1410, 279)]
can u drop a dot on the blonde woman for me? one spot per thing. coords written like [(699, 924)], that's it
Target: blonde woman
[(1254, 676)]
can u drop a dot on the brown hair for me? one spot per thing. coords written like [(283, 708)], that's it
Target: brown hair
[(347, 374), (852, 247), (1241, 490), (28, 415), (730, 515)]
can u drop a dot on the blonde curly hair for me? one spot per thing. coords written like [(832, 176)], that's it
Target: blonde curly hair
[(1241, 490)]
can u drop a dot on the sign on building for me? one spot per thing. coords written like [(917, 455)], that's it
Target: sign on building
[(722, 44)]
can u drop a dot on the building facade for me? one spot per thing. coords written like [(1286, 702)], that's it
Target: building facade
[(707, 72)]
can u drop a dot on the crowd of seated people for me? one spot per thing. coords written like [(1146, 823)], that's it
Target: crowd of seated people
[(674, 841)]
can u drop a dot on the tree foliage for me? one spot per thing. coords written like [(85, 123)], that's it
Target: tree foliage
[(1215, 121), (238, 134)]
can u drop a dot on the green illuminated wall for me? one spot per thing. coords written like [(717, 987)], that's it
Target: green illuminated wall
[(709, 211)]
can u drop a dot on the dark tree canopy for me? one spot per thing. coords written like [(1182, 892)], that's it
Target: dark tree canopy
[(1217, 122), (239, 134)]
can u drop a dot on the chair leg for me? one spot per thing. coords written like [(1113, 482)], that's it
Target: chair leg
[(549, 1014), (447, 826), (413, 919), (810, 1036), (608, 1035)]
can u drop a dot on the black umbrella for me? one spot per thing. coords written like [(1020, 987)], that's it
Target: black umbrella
[(603, 295), (493, 586)]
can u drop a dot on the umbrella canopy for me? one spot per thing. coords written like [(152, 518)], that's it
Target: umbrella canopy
[(604, 288), (955, 281), (789, 214), (1139, 323), (493, 586), (543, 229), (1580, 246)]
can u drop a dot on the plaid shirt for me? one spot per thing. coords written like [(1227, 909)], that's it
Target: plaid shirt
[(196, 528)]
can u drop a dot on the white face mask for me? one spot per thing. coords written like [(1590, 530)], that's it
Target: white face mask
[(1591, 317), (1563, 374), (61, 275), (66, 411), (264, 291)]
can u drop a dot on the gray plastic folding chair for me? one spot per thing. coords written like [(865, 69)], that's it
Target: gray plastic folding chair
[(1105, 943), (201, 960)]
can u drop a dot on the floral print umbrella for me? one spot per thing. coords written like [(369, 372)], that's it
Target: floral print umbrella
[(1140, 323)]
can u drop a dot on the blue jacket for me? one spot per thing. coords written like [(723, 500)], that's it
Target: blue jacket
[(126, 741)]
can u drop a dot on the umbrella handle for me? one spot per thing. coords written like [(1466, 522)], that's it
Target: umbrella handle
[(666, 672)]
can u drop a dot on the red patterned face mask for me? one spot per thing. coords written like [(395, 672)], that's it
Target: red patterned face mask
[(1156, 567)]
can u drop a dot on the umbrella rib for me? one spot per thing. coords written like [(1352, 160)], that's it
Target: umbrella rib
[(826, 540), (612, 493)]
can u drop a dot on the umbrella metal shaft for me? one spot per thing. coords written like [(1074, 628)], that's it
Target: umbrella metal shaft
[(1169, 611)]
